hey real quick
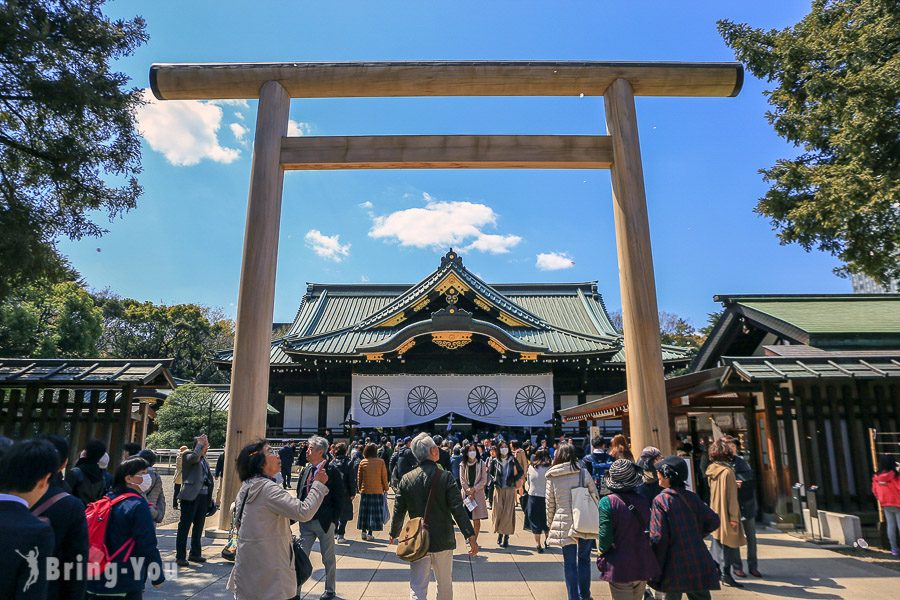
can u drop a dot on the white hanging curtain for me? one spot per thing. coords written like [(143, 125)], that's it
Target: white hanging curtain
[(402, 400)]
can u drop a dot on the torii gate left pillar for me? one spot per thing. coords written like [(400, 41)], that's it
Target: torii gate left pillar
[(275, 83)]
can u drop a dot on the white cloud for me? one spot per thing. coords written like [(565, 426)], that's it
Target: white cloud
[(238, 130), (184, 131), (297, 128), (554, 261), (239, 102), (493, 244), (327, 246), (366, 205), (440, 224), (239, 115)]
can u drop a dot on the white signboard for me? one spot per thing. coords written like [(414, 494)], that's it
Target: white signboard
[(402, 400)]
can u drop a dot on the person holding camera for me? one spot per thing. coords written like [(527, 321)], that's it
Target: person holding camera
[(195, 495)]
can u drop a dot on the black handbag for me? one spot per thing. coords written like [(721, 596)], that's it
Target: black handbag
[(302, 566)]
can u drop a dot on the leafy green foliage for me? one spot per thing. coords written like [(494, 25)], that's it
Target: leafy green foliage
[(184, 415), (837, 98), (48, 321), (673, 330), (68, 143), (189, 333)]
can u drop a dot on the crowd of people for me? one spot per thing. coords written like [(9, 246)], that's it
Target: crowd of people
[(641, 516)]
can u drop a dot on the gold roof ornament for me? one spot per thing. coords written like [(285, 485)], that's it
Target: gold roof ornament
[(451, 340)]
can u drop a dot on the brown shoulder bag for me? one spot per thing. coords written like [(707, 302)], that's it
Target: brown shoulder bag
[(413, 542)]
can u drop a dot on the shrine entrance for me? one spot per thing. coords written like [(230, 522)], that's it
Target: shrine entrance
[(274, 84)]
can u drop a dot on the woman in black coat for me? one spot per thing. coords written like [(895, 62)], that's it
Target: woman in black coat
[(344, 465)]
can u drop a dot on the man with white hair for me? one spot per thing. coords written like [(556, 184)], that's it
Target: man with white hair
[(323, 524), (413, 495)]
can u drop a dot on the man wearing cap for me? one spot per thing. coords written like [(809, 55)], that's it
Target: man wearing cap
[(679, 520), (626, 559)]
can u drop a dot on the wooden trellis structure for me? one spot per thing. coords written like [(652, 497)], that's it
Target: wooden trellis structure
[(274, 84), (79, 399)]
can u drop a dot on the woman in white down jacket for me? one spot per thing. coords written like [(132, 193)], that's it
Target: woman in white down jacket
[(264, 565), (565, 475)]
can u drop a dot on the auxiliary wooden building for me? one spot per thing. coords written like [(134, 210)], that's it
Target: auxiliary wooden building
[(804, 381), (450, 348)]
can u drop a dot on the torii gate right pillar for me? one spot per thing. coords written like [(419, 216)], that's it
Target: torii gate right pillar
[(647, 404)]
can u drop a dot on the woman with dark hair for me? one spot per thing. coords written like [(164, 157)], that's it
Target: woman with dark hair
[(373, 483), (536, 506), (156, 498), (886, 488), (565, 475), (343, 464), (505, 473), (723, 499), (129, 523), (86, 477), (473, 478), (679, 520), (264, 563)]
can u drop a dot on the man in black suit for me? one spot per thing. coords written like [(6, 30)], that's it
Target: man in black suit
[(66, 515), (25, 541), (286, 454), (323, 524)]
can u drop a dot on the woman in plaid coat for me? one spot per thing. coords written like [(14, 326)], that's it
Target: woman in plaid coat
[(678, 523)]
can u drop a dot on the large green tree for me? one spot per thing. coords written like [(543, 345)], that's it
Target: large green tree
[(184, 415), (69, 149), (836, 97), (50, 320), (189, 333)]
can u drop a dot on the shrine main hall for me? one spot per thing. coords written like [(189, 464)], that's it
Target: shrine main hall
[(401, 358)]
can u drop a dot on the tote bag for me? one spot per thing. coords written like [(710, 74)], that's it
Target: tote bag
[(585, 512)]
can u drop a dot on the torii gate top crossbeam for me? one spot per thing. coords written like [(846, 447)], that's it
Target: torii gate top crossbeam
[(220, 81)]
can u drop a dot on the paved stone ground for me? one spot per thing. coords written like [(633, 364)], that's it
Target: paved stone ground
[(371, 571)]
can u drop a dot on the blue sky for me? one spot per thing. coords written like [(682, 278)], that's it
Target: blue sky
[(701, 157)]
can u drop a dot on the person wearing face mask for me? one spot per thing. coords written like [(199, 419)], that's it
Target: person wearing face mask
[(129, 523), (86, 478), (155, 495), (25, 471), (264, 562), (473, 477), (536, 507), (505, 473)]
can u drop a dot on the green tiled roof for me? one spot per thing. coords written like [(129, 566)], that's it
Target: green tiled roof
[(561, 318), (848, 314)]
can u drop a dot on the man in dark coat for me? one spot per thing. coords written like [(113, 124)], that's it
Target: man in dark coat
[(25, 541), (446, 507), (444, 456), (743, 472), (322, 526), (286, 454), (66, 515), (406, 462)]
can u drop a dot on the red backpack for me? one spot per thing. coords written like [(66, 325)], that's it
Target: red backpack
[(97, 514)]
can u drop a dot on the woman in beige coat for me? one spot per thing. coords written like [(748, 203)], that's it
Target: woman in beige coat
[(264, 564), (723, 499), (473, 477), (563, 476)]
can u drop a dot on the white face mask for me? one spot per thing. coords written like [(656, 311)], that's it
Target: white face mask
[(472, 454), (103, 462), (504, 451), (146, 482)]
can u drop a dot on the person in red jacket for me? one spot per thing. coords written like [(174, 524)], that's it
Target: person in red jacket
[(886, 488)]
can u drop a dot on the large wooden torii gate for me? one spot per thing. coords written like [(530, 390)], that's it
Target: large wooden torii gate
[(274, 84)]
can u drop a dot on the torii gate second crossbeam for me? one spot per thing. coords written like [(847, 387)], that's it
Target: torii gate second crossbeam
[(273, 153)]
